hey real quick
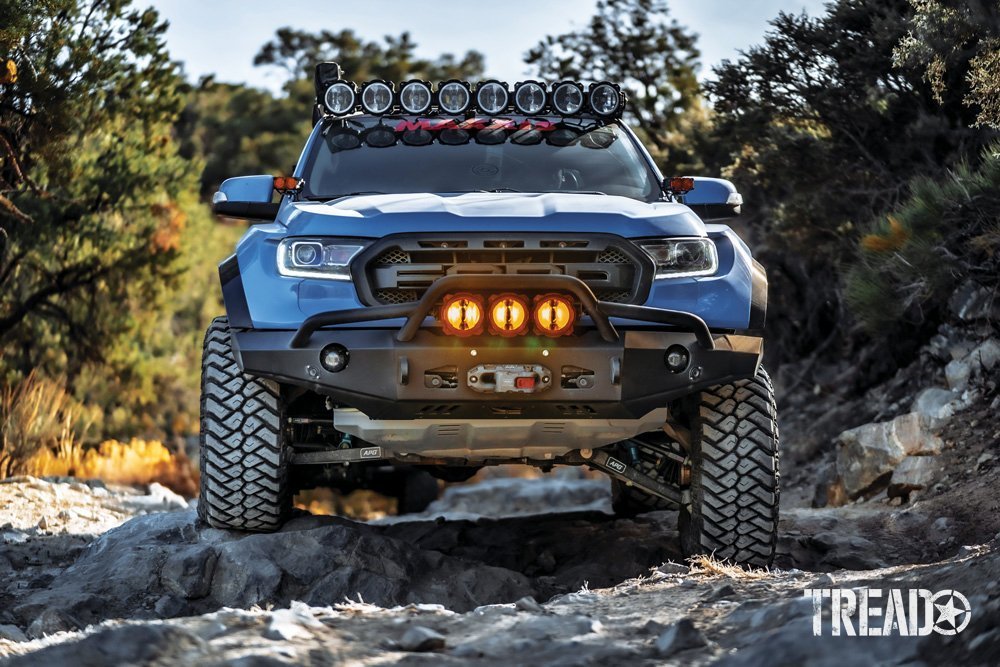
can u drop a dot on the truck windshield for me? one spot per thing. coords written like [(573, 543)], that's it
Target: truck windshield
[(403, 154)]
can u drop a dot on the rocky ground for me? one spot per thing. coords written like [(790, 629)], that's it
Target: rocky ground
[(537, 571)]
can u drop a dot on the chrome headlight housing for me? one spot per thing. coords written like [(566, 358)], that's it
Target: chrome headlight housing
[(682, 257), (325, 258)]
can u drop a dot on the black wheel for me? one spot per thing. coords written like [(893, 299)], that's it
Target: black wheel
[(734, 474), (244, 456)]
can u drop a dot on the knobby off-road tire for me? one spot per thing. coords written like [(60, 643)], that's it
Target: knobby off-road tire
[(244, 456), (734, 474)]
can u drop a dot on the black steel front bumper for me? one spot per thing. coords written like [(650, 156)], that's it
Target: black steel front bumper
[(391, 373)]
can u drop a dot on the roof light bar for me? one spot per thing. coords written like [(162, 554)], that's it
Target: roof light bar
[(338, 97)]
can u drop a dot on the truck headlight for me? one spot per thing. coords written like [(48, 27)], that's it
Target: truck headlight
[(682, 258), (329, 259)]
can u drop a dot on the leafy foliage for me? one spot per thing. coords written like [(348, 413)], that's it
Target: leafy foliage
[(956, 46), (87, 176), (99, 228), (825, 133), (297, 51), (945, 233)]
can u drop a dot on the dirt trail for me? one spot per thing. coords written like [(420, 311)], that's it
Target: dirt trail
[(160, 590)]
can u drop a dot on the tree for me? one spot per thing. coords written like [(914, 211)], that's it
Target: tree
[(955, 44), (824, 133), (637, 44), (297, 51), (89, 177)]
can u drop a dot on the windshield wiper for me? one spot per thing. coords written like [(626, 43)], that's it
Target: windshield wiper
[(345, 194)]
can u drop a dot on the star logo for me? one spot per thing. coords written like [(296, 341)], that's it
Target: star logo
[(951, 618)]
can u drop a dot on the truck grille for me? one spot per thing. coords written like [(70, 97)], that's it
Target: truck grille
[(399, 269)]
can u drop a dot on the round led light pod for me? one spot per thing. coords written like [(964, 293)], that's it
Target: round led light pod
[(377, 96), (567, 97), (605, 99), (334, 357), (554, 315), (340, 98), (462, 314), (508, 315), (676, 358), (415, 96), (492, 97), (529, 97), (454, 97)]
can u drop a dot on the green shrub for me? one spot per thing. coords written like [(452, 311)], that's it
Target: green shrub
[(946, 232)]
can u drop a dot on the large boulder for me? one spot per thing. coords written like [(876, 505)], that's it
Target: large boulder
[(166, 564), (868, 453), (914, 473)]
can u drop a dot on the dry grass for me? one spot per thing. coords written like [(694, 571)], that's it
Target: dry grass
[(37, 415), (134, 462), (40, 429), (708, 566)]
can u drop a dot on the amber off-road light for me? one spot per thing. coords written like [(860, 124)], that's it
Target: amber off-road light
[(462, 315), (287, 184), (554, 315), (508, 315)]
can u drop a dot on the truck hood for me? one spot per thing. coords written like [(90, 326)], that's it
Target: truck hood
[(378, 215)]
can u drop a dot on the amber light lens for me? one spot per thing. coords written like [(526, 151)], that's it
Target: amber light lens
[(508, 315), (554, 315), (462, 315)]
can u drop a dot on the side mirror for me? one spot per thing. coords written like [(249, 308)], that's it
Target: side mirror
[(246, 197), (713, 198)]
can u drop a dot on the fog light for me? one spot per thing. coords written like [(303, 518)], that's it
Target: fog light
[(334, 357), (554, 315), (462, 315), (677, 358), (508, 315)]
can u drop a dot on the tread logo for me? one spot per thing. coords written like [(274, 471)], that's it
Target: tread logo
[(866, 612), (616, 465)]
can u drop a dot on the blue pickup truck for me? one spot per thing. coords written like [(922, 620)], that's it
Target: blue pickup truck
[(457, 276)]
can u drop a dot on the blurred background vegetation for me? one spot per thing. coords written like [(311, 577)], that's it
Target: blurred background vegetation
[(864, 140)]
